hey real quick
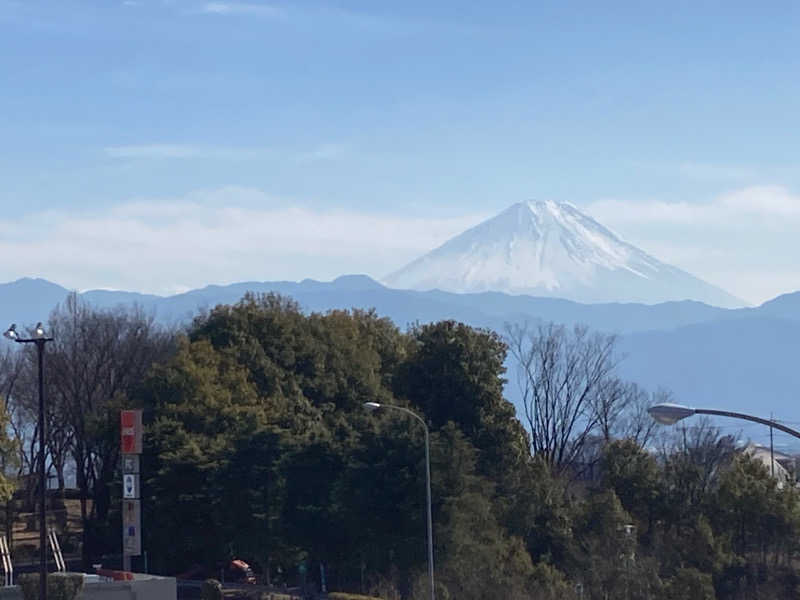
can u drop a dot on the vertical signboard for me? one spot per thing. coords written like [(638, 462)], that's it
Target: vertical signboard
[(131, 446)]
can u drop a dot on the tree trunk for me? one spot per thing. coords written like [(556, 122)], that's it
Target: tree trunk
[(80, 477)]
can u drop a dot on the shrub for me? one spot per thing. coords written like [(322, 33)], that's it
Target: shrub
[(211, 590), (60, 586), (344, 596), (690, 584)]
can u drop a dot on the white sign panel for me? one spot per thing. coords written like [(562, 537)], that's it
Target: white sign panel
[(132, 540), (130, 463), (131, 527), (130, 486)]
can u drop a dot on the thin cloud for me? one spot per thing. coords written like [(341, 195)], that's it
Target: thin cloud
[(221, 236), (321, 153), (338, 19), (712, 172), (241, 8), (744, 241), (183, 151), (775, 206), (324, 152)]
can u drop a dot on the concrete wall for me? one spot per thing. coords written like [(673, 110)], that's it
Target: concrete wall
[(161, 588), (142, 588), (10, 593)]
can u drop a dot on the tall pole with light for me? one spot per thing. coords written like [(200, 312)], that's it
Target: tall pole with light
[(669, 414), (39, 339), (377, 406)]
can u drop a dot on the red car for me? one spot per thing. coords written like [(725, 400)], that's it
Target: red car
[(239, 571)]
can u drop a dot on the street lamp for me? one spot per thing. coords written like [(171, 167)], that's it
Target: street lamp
[(669, 414), (39, 339), (377, 406)]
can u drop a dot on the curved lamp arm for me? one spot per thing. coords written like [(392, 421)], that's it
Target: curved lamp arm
[(669, 414), (376, 405), (735, 415)]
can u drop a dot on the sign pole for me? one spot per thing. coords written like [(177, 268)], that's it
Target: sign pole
[(131, 446)]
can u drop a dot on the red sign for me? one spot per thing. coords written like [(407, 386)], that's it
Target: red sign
[(131, 431)]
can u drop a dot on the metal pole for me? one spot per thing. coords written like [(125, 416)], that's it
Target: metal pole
[(40, 340), (42, 478), (771, 450), (428, 489), (430, 517)]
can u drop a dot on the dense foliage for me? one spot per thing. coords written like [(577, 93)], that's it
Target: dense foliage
[(258, 446), (60, 586)]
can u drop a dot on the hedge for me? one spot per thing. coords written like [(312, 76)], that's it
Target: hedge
[(211, 590), (344, 596), (60, 586)]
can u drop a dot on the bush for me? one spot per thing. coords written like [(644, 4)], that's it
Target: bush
[(549, 583), (344, 596), (60, 586), (690, 584), (211, 590)]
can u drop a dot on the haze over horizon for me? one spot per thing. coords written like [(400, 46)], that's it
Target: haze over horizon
[(160, 146)]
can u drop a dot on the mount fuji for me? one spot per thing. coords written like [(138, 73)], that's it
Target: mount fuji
[(545, 248)]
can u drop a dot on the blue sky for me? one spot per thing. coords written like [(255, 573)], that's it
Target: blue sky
[(170, 144)]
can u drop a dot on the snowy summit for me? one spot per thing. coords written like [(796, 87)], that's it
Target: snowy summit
[(546, 248)]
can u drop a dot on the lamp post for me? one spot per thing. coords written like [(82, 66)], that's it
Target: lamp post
[(377, 406), (669, 414), (39, 339)]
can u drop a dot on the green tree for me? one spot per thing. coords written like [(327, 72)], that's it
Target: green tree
[(454, 373), (199, 404), (634, 476), (612, 564), (690, 584), (758, 515), (9, 457), (478, 557)]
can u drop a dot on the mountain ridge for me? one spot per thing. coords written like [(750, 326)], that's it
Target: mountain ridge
[(29, 300), (736, 359)]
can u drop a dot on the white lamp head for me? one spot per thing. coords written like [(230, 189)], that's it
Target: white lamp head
[(371, 406), (669, 414), (11, 332)]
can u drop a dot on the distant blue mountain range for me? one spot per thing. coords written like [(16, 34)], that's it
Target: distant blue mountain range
[(741, 359)]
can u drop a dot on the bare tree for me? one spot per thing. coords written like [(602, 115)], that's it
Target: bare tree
[(24, 414), (700, 446), (18, 389), (612, 400), (621, 408), (97, 360), (12, 454), (564, 375)]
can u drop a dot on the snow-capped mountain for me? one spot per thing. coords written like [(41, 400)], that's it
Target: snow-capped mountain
[(546, 248)]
